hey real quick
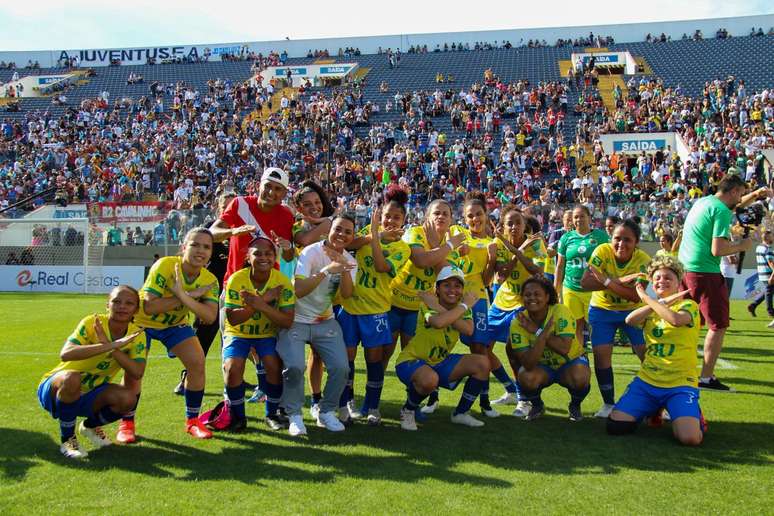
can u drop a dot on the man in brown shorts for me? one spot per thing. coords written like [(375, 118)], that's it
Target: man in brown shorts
[(706, 238)]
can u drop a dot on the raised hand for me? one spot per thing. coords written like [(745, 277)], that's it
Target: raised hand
[(376, 218), (456, 240), (470, 299), (527, 323), (280, 242), (432, 236), (126, 339), (271, 295), (338, 267), (199, 292), (243, 230), (430, 300), (102, 338), (530, 240), (636, 276), (177, 287), (598, 274), (677, 296)]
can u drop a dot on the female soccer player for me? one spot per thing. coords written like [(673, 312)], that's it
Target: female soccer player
[(613, 269), (93, 355), (426, 363), (431, 248), (543, 339), (667, 376), (575, 248), (478, 256), (259, 301), (363, 316), (516, 257), (669, 245), (176, 287)]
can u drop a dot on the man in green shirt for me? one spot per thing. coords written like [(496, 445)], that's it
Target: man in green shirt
[(706, 238)]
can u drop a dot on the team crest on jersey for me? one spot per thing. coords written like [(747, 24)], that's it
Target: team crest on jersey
[(138, 348), (562, 324), (582, 249), (286, 295), (658, 332), (103, 365), (398, 257), (369, 261), (429, 271)]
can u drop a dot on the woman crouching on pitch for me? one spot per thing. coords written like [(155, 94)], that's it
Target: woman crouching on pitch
[(259, 301), (81, 385), (175, 287), (667, 377), (426, 363), (543, 339)]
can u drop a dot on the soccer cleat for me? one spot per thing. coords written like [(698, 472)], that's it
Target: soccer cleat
[(197, 429), (180, 387), (430, 408), (574, 410), (258, 396), (522, 409), (535, 412), (354, 413), (126, 433), (274, 422), (237, 425), (71, 449), (751, 308), (330, 421), (96, 435), (374, 417), (296, 425), (489, 412), (771, 324), (314, 410), (509, 398), (714, 385), (604, 411), (466, 419), (407, 421), (344, 417)]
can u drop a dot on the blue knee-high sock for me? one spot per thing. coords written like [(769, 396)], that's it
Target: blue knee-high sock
[(193, 403), (273, 394), (129, 416), (578, 395), (260, 372), (374, 384), (413, 398), (484, 396), (501, 374), (67, 413), (606, 386), (104, 416), (469, 394), (236, 400), (532, 396)]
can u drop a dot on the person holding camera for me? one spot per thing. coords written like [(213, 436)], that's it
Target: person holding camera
[(706, 238)]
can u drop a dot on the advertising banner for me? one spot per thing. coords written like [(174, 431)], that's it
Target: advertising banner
[(130, 211), (56, 278)]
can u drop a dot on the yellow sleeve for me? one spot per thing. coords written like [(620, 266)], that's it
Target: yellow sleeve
[(519, 336), (81, 335), (138, 348), (213, 294), (415, 237), (564, 323), (288, 296), (159, 277), (399, 255), (234, 285)]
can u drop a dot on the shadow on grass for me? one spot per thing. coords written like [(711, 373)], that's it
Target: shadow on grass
[(439, 451)]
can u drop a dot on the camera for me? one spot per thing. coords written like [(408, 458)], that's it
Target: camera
[(751, 215)]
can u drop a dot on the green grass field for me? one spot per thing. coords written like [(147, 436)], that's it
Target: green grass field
[(549, 465)]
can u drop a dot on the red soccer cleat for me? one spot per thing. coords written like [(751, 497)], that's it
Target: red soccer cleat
[(126, 433), (197, 429)]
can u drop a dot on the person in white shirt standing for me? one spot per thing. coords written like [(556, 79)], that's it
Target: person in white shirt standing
[(324, 270)]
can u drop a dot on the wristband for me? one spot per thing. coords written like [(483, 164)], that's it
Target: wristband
[(538, 332), (325, 273), (607, 281), (463, 305)]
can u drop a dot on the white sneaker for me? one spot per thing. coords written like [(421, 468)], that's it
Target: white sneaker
[(314, 411), (344, 415), (509, 398), (407, 420), (354, 413), (374, 417), (466, 419), (330, 421), (604, 411), (522, 409), (490, 412), (429, 408), (771, 324), (96, 435), (296, 426), (71, 449)]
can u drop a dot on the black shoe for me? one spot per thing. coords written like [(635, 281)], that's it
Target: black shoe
[(180, 388), (537, 410), (714, 385), (575, 412), (751, 308), (274, 422), (237, 425), (283, 417), (249, 386)]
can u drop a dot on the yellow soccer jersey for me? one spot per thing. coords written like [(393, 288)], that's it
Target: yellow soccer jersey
[(411, 280), (509, 294), (670, 355), (102, 368), (473, 264), (371, 293), (431, 344), (603, 259), (258, 326), (564, 326), (160, 278)]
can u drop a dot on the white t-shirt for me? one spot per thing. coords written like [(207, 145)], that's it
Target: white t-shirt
[(317, 306)]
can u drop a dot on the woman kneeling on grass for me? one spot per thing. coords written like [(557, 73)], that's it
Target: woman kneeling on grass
[(667, 377), (426, 363), (94, 354), (544, 341)]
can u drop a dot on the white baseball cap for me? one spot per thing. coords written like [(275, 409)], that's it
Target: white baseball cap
[(276, 175), (450, 272)]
